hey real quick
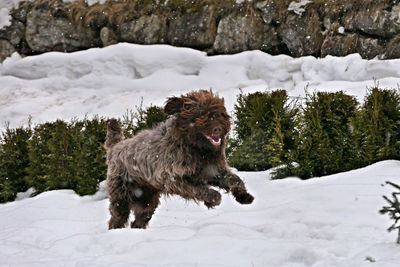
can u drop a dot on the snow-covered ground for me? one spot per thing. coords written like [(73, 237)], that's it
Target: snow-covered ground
[(109, 81), (329, 221)]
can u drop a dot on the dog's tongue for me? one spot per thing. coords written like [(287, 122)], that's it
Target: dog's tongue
[(215, 140)]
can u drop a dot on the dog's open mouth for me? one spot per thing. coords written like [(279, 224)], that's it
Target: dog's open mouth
[(214, 140)]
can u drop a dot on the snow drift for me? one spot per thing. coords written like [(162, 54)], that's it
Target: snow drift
[(108, 81)]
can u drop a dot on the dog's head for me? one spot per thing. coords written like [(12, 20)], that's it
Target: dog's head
[(201, 119)]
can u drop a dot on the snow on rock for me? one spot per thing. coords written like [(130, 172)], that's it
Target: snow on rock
[(108, 81), (330, 221), (28, 193), (298, 7), (5, 18)]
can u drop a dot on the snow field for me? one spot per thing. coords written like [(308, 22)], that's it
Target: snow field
[(329, 221)]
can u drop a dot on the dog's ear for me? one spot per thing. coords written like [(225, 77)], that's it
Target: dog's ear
[(173, 105)]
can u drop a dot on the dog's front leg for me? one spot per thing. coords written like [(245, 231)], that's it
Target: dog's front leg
[(198, 192), (232, 183)]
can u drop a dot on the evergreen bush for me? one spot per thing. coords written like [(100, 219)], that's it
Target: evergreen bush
[(37, 154), (135, 121), (325, 144), (13, 162), (331, 134), (51, 157), (393, 209), (62, 155), (377, 126), (90, 155), (265, 130), (68, 156)]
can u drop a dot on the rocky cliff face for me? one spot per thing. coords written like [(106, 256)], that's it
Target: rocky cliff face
[(297, 28)]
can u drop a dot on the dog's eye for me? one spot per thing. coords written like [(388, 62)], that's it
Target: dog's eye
[(215, 117)]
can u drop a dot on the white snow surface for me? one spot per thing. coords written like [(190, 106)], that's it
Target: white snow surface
[(329, 221), (4, 17), (109, 81)]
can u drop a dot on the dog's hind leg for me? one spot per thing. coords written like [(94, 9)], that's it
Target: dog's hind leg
[(146, 200), (119, 204)]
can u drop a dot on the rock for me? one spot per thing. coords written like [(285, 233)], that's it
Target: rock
[(14, 33), (368, 27), (393, 48), (196, 29), (148, 29), (339, 45), (108, 36), (302, 34), (369, 48), (21, 12), (342, 45), (375, 21), (269, 11), (238, 32), (6, 49), (48, 28)]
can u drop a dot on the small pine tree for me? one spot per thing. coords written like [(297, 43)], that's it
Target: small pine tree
[(135, 121), (38, 153), (13, 162), (265, 129), (377, 126), (89, 155), (325, 144), (393, 210), (59, 165)]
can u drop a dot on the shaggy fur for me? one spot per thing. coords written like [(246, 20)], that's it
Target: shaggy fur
[(185, 156)]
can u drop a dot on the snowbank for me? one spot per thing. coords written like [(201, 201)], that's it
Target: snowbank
[(108, 81)]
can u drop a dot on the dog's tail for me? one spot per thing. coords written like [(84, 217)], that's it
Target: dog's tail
[(115, 134)]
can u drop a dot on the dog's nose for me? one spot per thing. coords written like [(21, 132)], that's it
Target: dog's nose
[(217, 131)]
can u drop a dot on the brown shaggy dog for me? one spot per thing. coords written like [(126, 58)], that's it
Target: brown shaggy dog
[(185, 156)]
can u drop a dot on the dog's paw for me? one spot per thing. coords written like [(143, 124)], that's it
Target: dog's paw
[(213, 199), (244, 198)]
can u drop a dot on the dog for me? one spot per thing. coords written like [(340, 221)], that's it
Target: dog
[(184, 155)]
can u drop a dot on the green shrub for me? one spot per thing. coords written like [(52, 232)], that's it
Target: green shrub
[(265, 130), (325, 143), (68, 156), (393, 209), (135, 121), (37, 154), (51, 157), (13, 162), (90, 155), (62, 155), (377, 127)]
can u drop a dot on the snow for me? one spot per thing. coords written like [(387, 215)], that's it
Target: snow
[(298, 7), (108, 81), (4, 17), (329, 221)]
